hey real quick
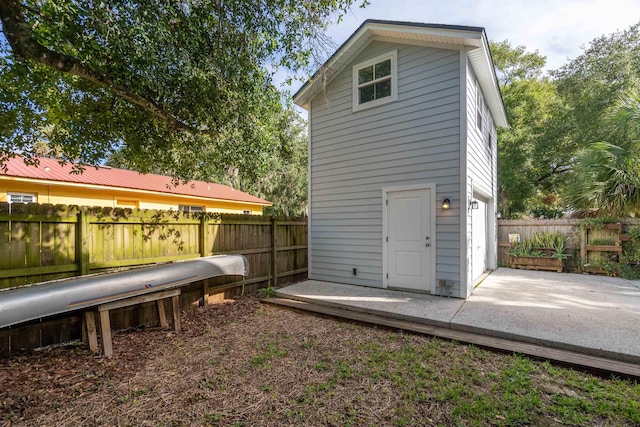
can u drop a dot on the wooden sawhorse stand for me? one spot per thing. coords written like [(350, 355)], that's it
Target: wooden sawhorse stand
[(105, 322)]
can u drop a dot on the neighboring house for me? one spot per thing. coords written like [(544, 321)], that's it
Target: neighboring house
[(402, 159), (111, 187)]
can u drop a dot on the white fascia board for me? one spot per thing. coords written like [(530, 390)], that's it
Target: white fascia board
[(483, 67), (458, 37)]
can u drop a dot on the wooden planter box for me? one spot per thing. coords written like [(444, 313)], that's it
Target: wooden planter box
[(536, 263)]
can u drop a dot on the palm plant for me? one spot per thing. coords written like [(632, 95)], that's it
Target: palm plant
[(606, 176)]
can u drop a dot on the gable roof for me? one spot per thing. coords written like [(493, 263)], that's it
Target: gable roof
[(50, 170), (472, 38)]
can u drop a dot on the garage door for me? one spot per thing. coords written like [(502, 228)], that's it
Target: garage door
[(479, 239)]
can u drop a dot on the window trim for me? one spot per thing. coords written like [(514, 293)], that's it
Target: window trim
[(199, 208), (479, 108), (393, 56), (34, 197)]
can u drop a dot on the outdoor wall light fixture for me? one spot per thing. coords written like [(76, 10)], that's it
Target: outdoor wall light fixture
[(446, 203), (473, 204)]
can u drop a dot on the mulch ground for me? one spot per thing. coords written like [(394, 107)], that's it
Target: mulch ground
[(243, 363), (38, 386)]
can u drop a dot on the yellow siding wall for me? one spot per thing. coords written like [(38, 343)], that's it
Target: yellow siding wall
[(107, 197)]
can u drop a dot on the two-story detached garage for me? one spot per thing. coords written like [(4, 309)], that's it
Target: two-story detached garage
[(402, 159)]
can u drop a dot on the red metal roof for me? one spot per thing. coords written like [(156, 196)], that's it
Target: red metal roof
[(51, 170)]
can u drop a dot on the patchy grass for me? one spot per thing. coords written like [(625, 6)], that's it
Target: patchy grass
[(243, 364)]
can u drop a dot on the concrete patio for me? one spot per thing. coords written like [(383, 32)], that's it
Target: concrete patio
[(593, 315)]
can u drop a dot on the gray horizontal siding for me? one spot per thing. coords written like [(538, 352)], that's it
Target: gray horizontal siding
[(381, 146), (479, 154), (413, 140)]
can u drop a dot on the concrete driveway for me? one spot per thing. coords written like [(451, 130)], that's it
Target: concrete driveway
[(595, 314), (591, 314)]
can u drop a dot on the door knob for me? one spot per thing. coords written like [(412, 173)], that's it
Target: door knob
[(427, 237), (427, 245)]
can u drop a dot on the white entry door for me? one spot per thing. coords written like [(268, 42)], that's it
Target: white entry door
[(479, 240), (410, 239)]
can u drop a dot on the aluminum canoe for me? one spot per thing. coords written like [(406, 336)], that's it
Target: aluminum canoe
[(18, 305)]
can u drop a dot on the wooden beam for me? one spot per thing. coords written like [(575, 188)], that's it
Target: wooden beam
[(175, 301), (36, 271), (82, 243), (162, 314), (39, 218), (105, 329), (141, 261), (274, 254), (92, 336), (292, 248), (141, 299), (604, 248)]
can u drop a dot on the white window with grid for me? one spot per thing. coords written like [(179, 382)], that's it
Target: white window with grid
[(21, 198), (375, 82), (188, 208)]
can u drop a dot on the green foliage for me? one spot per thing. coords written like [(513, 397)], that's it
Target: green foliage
[(596, 223), (553, 118), (284, 180), (606, 178), (515, 63), (602, 242), (522, 248), (539, 245), (634, 233), (602, 87), (593, 82), (548, 240), (610, 267), (629, 271), (269, 291), (546, 212), (181, 88), (531, 156), (630, 258)]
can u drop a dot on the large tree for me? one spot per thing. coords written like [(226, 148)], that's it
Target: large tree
[(182, 87), (592, 83), (533, 154)]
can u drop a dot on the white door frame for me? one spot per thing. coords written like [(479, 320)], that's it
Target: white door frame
[(385, 206), (486, 237), (491, 237)]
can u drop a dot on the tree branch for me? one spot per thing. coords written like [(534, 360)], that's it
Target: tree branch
[(25, 47), (556, 170)]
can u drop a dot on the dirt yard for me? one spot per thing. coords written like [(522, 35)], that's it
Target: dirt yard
[(243, 363)]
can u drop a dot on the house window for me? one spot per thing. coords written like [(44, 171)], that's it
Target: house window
[(246, 212), (123, 203), (188, 208), (479, 107), (375, 81), (21, 198)]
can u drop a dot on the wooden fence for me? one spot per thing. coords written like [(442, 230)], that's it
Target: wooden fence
[(570, 228), (46, 242)]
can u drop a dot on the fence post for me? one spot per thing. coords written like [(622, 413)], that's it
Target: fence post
[(274, 253), (82, 243), (583, 247), (203, 232)]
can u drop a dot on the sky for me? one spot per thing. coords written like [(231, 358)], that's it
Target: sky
[(558, 29)]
